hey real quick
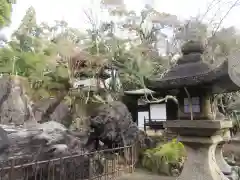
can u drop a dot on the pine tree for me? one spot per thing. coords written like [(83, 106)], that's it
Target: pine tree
[(5, 12)]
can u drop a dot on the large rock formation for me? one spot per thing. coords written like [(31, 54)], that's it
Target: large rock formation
[(61, 114), (38, 142), (13, 107), (112, 125)]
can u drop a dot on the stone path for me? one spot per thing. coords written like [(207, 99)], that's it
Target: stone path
[(143, 175)]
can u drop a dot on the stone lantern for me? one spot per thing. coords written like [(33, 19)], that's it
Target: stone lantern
[(194, 82)]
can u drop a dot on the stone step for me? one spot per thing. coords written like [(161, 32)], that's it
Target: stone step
[(169, 135)]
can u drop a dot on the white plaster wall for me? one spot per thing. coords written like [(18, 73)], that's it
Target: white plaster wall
[(158, 111), (141, 116)]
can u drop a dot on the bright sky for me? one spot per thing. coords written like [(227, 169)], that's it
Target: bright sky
[(72, 10)]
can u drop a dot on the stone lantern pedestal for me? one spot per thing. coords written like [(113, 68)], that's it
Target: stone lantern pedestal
[(200, 138), (223, 165)]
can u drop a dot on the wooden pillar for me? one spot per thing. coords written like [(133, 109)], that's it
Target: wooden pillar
[(206, 108), (80, 121), (132, 104)]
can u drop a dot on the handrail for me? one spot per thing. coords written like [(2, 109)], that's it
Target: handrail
[(155, 119)]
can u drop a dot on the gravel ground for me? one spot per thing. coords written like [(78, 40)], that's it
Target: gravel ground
[(143, 175)]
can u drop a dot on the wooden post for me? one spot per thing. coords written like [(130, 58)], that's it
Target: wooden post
[(144, 124)]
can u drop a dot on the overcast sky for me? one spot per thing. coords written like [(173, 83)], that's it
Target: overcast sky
[(72, 10)]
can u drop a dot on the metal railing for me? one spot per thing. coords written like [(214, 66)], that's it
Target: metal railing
[(104, 164)]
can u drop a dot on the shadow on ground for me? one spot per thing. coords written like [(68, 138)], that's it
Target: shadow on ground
[(144, 175)]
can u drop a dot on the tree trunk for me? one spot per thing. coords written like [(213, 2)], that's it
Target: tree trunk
[(80, 115), (51, 108)]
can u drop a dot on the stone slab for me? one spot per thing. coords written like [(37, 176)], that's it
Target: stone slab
[(201, 140), (198, 124), (198, 128)]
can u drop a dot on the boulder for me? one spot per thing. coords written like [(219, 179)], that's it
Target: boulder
[(112, 124), (61, 114), (50, 140), (13, 107)]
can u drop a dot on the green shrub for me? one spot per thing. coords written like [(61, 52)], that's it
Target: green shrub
[(164, 158)]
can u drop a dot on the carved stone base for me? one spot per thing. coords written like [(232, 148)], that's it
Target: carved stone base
[(201, 161), (200, 138), (223, 165)]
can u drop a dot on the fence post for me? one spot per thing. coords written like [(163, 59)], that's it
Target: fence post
[(155, 129), (144, 126), (11, 175), (132, 160)]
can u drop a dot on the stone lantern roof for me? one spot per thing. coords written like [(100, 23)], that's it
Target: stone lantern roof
[(192, 71)]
